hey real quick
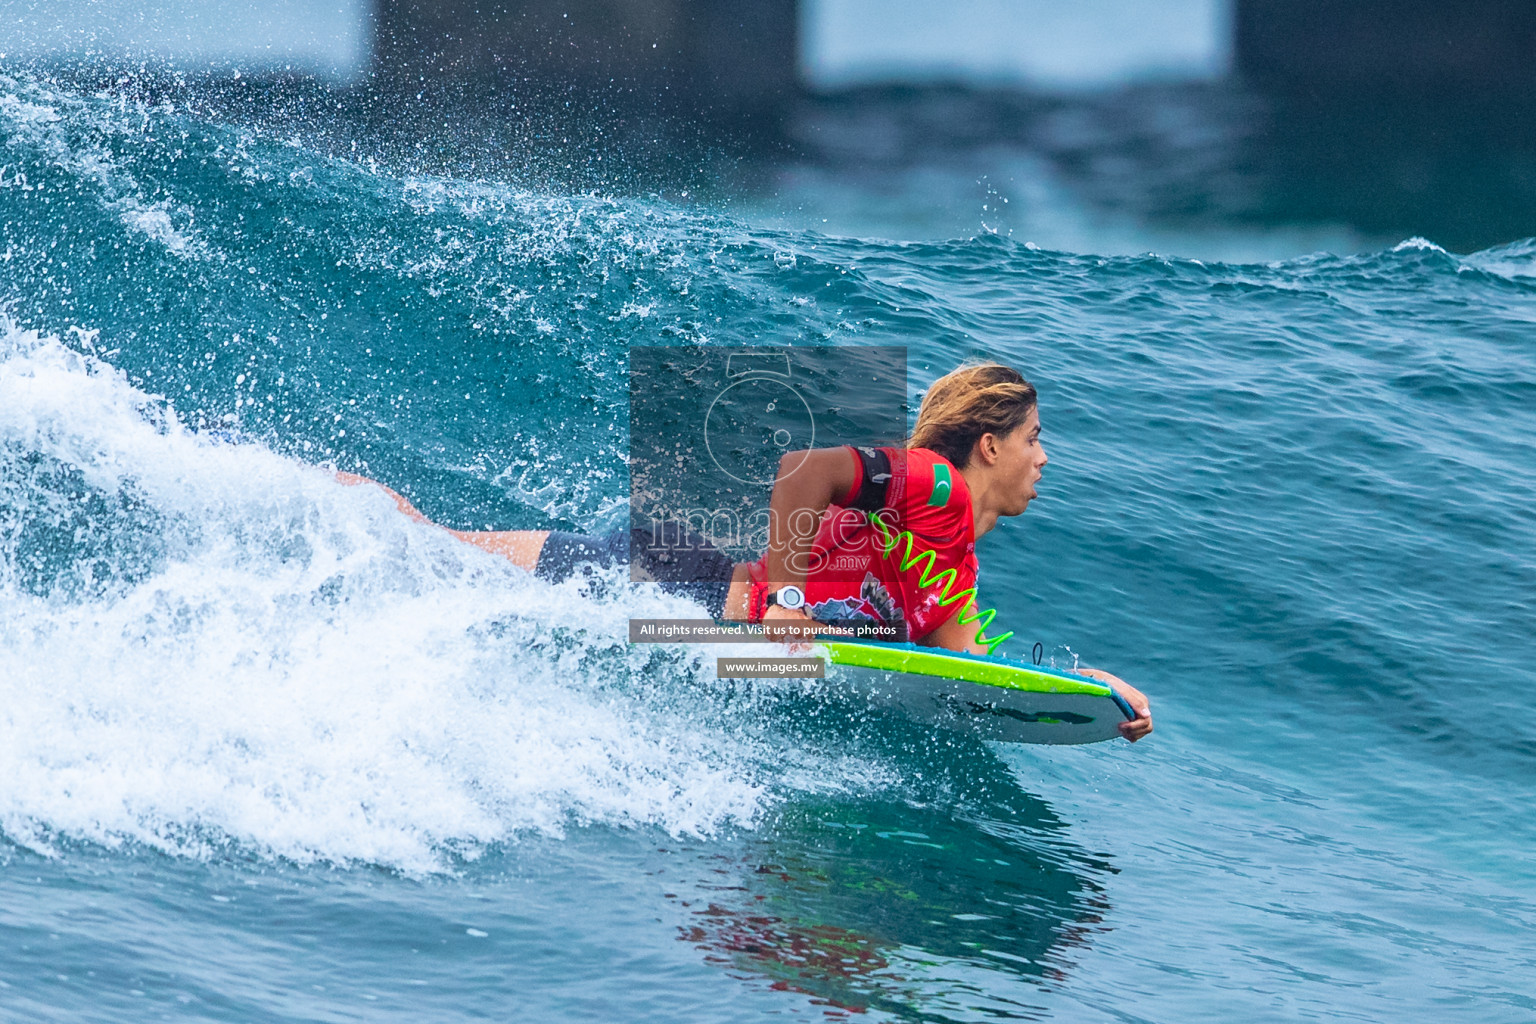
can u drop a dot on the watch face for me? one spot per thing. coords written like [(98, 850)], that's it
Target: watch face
[(791, 597)]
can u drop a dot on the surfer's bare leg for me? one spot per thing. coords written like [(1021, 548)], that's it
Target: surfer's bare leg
[(353, 480), (527, 548), (520, 547)]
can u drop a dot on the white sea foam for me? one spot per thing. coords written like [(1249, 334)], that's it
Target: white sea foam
[(156, 222), (1416, 244), (297, 669)]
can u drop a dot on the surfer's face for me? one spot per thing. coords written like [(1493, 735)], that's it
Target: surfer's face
[(1021, 460)]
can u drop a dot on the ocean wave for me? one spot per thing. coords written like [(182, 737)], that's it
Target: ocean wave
[(1515, 261), (297, 670)]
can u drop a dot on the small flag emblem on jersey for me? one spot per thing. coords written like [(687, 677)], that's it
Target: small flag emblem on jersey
[(942, 485)]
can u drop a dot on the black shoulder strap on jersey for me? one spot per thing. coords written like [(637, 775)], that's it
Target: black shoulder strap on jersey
[(877, 479)]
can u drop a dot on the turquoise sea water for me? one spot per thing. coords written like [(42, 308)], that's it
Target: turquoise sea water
[(271, 752)]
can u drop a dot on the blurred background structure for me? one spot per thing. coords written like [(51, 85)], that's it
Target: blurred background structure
[(1336, 123)]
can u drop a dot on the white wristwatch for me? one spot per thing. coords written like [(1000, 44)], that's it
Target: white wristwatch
[(791, 597)]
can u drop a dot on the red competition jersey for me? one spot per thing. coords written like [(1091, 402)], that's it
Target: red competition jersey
[(850, 582)]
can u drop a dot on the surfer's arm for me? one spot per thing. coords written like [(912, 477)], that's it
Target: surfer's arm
[(808, 481), (1142, 723), (954, 637), (791, 626)]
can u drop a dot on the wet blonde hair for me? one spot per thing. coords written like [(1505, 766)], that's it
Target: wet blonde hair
[(962, 405)]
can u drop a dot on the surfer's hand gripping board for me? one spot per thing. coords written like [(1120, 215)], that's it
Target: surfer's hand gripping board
[(1139, 726)]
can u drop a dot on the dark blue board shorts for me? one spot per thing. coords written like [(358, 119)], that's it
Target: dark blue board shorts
[(693, 569)]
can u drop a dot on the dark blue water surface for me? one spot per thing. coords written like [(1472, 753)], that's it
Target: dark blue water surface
[(271, 752)]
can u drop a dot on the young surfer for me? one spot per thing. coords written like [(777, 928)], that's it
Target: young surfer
[(877, 535)]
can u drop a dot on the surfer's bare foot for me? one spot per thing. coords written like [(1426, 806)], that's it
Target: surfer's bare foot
[(353, 480)]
